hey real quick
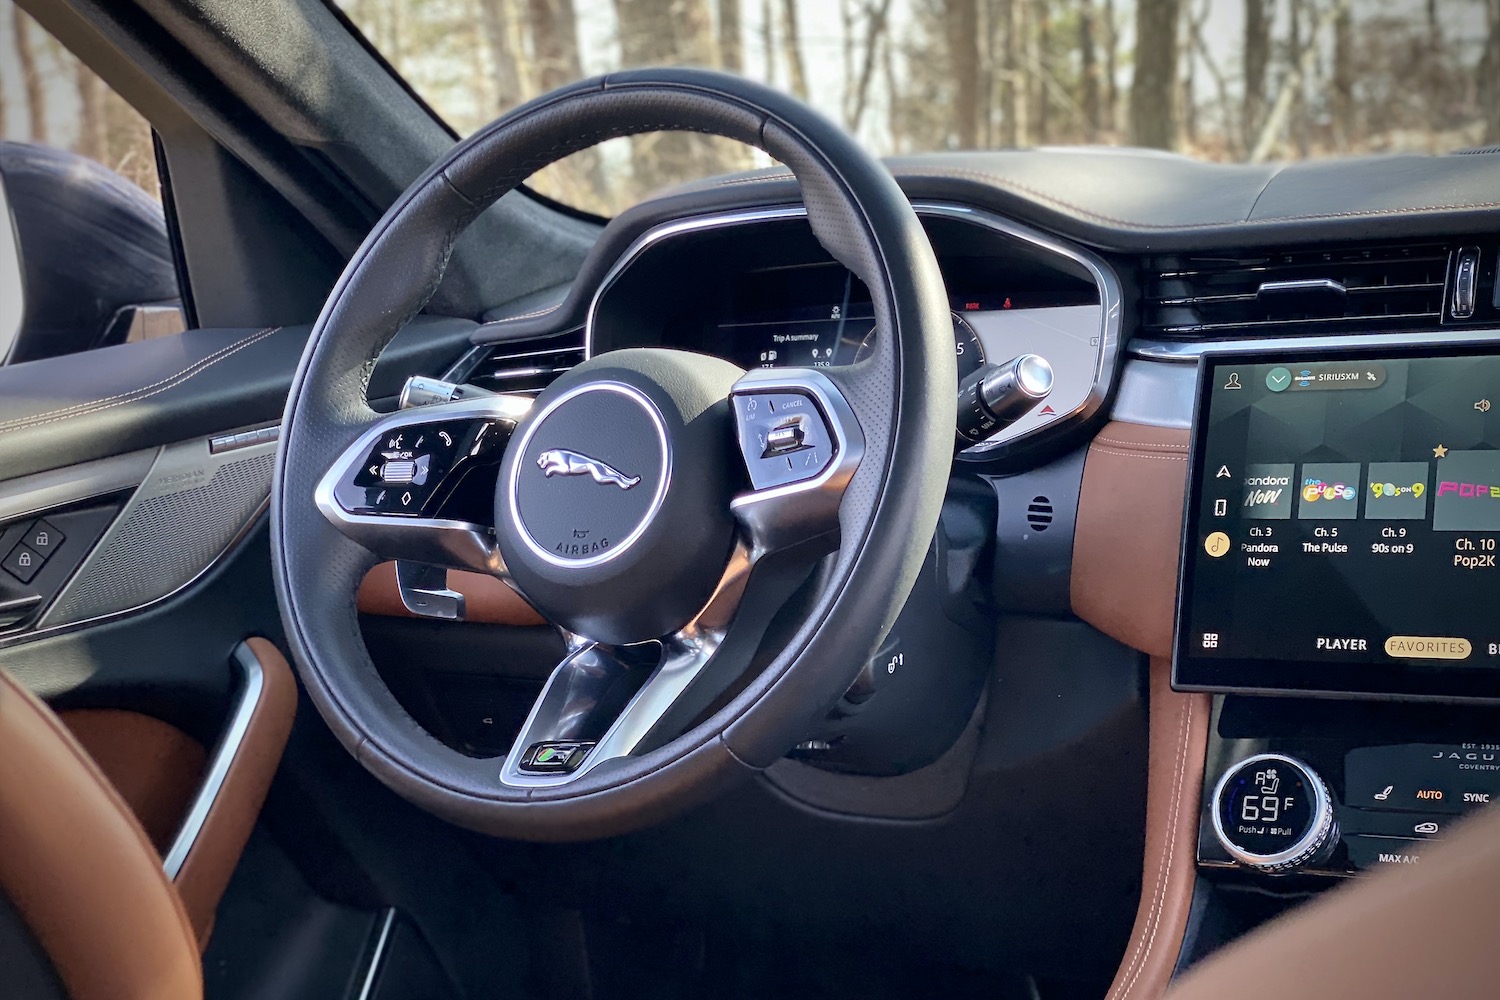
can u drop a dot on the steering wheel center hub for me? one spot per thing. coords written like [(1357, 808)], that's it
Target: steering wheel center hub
[(612, 507), (595, 467)]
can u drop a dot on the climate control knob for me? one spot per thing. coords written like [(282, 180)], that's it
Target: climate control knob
[(1274, 814)]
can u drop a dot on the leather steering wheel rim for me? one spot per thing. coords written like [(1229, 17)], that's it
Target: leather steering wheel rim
[(902, 398)]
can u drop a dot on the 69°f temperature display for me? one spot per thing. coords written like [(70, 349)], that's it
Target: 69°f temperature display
[(1266, 806)]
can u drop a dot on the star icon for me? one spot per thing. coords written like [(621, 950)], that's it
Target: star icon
[(1440, 452)]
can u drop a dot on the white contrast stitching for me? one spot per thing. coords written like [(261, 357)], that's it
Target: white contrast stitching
[(1158, 900), (1006, 183), (531, 315), (1135, 454), (135, 395), (1147, 445)]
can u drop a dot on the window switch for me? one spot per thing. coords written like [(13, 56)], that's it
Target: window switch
[(23, 562), (43, 538)]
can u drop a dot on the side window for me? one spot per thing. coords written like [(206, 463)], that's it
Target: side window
[(85, 260)]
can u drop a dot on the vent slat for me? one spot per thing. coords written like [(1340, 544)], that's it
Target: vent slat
[(1382, 288), (526, 367)]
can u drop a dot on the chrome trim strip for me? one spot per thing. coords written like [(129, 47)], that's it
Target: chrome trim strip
[(12, 280), (43, 491), (252, 684), (1188, 352), (1110, 296), (514, 499), (377, 957)]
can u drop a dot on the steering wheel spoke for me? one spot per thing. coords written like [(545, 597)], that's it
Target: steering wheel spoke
[(801, 444), (388, 490), (604, 702)]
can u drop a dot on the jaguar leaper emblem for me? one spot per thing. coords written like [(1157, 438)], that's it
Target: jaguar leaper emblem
[(562, 462)]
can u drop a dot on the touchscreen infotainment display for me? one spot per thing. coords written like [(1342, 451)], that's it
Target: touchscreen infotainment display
[(1343, 525)]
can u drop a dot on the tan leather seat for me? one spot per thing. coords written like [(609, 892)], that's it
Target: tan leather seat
[(78, 870), (1421, 930)]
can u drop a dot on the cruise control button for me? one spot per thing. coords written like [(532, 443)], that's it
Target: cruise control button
[(783, 437), (23, 562), (43, 538)]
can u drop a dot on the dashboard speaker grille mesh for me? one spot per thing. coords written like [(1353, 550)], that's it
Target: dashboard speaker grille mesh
[(167, 540), (1039, 513)]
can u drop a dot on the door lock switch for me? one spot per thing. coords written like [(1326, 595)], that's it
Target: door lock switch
[(23, 562)]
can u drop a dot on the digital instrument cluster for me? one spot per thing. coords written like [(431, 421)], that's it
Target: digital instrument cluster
[(819, 316)]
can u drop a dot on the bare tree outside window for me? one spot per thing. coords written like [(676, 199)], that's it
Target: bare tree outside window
[(50, 98), (1214, 79)]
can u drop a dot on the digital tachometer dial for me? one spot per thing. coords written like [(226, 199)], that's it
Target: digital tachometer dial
[(965, 344)]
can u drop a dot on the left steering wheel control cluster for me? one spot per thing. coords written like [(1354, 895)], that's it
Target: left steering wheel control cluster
[(406, 471)]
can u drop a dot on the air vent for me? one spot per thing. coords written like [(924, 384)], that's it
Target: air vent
[(526, 366), (1039, 513), (1297, 292)]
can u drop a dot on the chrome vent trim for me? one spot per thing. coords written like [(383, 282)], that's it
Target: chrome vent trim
[(1299, 291), (522, 366)]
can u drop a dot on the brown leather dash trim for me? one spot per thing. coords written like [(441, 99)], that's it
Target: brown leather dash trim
[(1176, 752)]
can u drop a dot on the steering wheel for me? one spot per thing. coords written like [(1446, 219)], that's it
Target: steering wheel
[(658, 507)]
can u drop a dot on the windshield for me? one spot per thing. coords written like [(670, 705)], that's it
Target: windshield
[(1231, 80)]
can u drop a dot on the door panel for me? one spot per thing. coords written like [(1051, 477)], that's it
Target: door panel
[(59, 412), (136, 485)]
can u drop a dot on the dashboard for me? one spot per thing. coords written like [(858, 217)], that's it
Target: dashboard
[(1279, 481)]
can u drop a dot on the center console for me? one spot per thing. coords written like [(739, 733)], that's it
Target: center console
[(1341, 530)]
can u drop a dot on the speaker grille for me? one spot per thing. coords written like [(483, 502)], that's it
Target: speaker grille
[(1039, 513), (167, 540)]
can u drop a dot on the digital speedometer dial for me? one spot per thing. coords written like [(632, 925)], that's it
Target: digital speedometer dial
[(966, 346)]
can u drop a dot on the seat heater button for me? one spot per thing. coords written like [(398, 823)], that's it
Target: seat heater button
[(23, 562)]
